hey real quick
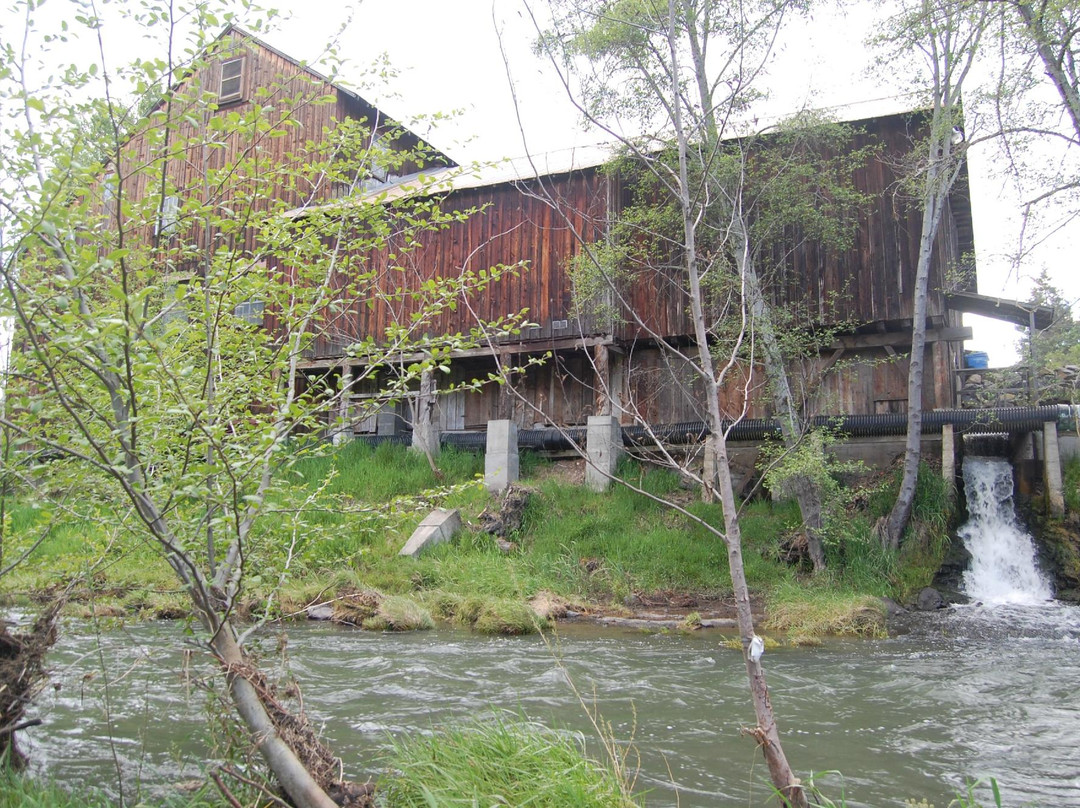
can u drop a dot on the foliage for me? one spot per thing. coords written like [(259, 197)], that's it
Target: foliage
[(814, 459), (18, 791), (1071, 484), (1053, 353), (503, 760), (167, 283)]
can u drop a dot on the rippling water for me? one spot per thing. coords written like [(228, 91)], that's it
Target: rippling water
[(966, 693)]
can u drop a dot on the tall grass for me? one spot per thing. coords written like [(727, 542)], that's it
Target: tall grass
[(19, 791), (499, 761)]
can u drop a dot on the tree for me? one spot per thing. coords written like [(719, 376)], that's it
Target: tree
[(142, 372), (946, 35), (1053, 354), (1050, 28), (712, 201)]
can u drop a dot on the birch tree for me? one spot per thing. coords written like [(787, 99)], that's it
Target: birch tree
[(172, 404), (684, 74), (945, 38)]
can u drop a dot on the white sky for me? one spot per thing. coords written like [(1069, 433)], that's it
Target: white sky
[(447, 53)]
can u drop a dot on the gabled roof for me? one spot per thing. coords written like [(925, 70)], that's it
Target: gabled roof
[(371, 112)]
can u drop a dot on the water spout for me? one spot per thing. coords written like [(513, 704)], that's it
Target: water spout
[(1003, 568)]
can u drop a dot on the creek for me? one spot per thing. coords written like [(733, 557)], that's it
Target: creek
[(965, 693)]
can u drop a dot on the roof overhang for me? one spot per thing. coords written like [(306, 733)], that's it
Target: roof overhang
[(1011, 311)]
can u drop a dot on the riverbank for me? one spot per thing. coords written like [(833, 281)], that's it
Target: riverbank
[(618, 555)]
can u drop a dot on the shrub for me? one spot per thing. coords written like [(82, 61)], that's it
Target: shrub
[(499, 761)]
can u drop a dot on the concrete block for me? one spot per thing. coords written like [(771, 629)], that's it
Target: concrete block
[(501, 459), (386, 423), (440, 525), (948, 457), (1055, 491), (603, 446)]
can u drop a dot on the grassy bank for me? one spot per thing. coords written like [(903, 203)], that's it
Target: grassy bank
[(574, 547)]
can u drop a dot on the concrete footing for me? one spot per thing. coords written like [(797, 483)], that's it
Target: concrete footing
[(603, 445), (501, 462), (440, 525), (948, 457), (1055, 492), (386, 423)]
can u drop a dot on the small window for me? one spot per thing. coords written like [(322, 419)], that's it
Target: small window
[(232, 80), (170, 216), (381, 160), (250, 311), (109, 194)]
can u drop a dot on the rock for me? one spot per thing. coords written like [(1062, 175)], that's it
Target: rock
[(892, 608), (321, 612), (975, 379), (510, 514), (505, 547), (548, 606), (929, 599)]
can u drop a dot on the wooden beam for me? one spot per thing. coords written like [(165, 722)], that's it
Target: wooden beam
[(506, 349), (854, 342)]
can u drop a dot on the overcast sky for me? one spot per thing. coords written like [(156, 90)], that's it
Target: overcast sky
[(449, 55)]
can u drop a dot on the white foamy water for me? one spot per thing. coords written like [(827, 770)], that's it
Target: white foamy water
[(1003, 568)]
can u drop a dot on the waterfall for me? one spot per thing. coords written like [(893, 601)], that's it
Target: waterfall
[(1003, 566)]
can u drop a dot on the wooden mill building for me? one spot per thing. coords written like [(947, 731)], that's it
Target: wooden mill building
[(539, 214)]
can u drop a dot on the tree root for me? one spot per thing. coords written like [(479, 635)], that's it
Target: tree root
[(22, 674)]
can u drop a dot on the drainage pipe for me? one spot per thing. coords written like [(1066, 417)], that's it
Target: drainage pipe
[(974, 422)]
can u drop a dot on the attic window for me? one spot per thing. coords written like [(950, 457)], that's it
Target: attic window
[(232, 80)]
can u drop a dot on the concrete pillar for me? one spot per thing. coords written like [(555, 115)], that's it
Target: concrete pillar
[(1055, 493), (501, 466), (343, 427), (948, 457), (386, 423), (425, 437), (603, 445)]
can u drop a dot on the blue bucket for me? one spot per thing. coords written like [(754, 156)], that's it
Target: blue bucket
[(976, 359)]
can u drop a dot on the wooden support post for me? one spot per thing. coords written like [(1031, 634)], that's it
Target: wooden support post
[(425, 437), (1055, 492), (602, 380)]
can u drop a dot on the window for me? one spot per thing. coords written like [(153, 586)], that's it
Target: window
[(232, 80), (109, 194), (250, 311), (170, 216), (381, 160)]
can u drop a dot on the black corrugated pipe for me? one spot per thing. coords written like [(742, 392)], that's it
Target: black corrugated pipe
[(983, 421), (976, 422)]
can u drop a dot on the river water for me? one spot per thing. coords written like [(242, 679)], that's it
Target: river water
[(962, 694), (966, 693)]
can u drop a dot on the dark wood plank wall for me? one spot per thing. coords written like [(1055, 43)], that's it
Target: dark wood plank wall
[(512, 224), (294, 100), (869, 283), (661, 389)]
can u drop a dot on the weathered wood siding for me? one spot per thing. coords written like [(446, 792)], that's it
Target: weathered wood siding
[(512, 224), (661, 388), (179, 151), (871, 282)]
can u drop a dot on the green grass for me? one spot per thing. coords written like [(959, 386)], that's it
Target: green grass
[(18, 791), (804, 611), (575, 544), (500, 761), (1071, 484)]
